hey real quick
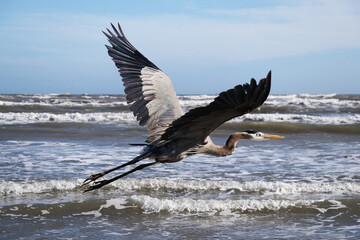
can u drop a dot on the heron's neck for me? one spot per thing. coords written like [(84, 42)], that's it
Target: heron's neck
[(229, 146), (233, 139)]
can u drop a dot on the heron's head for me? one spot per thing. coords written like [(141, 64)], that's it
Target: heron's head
[(253, 135)]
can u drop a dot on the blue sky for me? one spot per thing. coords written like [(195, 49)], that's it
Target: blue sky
[(204, 46)]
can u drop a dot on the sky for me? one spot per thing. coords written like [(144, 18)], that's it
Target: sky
[(311, 46)]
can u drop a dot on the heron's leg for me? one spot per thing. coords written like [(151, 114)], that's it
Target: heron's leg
[(105, 182), (98, 175)]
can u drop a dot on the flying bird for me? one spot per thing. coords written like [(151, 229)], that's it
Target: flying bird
[(174, 135)]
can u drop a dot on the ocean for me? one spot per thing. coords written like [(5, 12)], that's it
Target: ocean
[(305, 186)]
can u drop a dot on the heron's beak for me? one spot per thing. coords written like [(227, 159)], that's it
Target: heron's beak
[(269, 136)]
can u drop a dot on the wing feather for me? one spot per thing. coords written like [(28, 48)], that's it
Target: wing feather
[(148, 89), (199, 122)]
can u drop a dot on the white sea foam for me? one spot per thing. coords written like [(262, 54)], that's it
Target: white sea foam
[(175, 205), (171, 184), (64, 103), (307, 109), (117, 203), (334, 119), (18, 188), (300, 101), (311, 101), (127, 118), (44, 117), (278, 188), (191, 101), (320, 101), (62, 100)]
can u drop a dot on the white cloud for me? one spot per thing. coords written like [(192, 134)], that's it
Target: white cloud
[(221, 35), (251, 34)]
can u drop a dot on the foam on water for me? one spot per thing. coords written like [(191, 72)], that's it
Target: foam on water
[(301, 108), (67, 103), (320, 101), (314, 101), (62, 100), (149, 204), (336, 119), (8, 188), (125, 118), (179, 205)]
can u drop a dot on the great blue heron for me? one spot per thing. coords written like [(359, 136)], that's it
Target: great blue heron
[(174, 135)]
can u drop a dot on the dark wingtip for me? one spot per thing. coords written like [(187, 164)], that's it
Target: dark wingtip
[(268, 82), (269, 75), (109, 31), (107, 35), (115, 30), (268, 78), (120, 29)]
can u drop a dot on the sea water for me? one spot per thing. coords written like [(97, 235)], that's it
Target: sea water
[(304, 186)]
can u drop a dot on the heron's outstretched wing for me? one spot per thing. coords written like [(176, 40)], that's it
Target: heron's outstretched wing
[(199, 122), (150, 90)]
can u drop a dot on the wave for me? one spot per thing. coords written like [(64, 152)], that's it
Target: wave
[(148, 204), (180, 205), (334, 119), (167, 195), (301, 102), (11, 188), (320, 101), (292, 102), (127, 118), (299, 109), (67, 103), (285, 127), (62, 100)]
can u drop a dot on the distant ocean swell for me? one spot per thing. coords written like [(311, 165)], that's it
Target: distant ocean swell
[(286, 127), (296, 113), (121, 117), (262, 122)]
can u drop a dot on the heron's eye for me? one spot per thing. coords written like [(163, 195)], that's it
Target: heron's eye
[(258, 134)]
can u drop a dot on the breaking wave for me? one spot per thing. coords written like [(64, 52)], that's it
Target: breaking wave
[(127, 118), (170, 184), (175, 196), (179, 205), (46, 117), (185, 205)]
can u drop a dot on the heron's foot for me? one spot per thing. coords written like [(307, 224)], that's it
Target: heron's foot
[(97, 185), (92, 178)]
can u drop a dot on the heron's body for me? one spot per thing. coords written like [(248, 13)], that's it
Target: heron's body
[(174, 135)]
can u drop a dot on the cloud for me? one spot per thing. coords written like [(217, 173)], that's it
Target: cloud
[(259, 33), (226, 35)]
